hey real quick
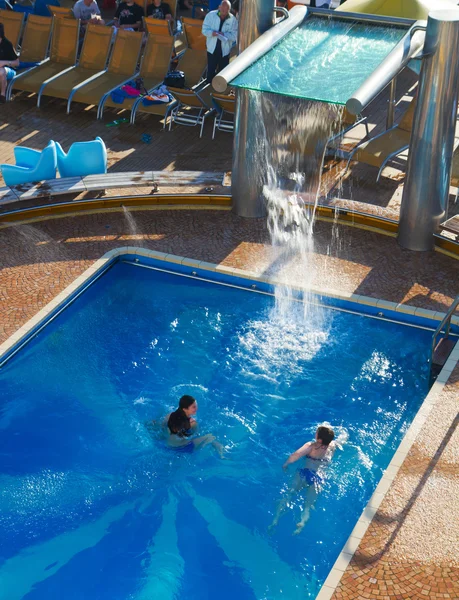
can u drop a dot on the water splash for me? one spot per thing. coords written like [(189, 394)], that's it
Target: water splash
[(131, 223), (295, 135)]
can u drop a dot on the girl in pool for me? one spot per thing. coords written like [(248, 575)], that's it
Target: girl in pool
[(181, 426), (317, 454)]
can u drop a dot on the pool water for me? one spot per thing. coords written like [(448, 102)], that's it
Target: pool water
[(93, 504), (322, 59)]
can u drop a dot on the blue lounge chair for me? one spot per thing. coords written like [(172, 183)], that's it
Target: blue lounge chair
[(31, 165), (83, 158)]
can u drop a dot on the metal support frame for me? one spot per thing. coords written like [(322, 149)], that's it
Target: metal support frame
[(256, 17), (426, 190)]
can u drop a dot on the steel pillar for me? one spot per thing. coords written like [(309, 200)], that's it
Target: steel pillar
[(247, 177), (426, 190)]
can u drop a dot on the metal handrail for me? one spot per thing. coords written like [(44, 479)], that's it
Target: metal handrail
[(445, 321)]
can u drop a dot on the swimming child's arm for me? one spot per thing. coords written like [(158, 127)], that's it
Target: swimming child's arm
[(303, 451)]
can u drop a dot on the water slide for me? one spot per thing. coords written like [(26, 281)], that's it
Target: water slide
[(339, 57)]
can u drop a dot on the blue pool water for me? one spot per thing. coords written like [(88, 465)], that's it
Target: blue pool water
[(323, 59), (94, 506)]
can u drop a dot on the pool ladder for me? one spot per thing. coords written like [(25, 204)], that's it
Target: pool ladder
[(440, 351)]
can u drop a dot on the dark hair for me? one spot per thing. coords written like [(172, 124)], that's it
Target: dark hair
[(325, 434), (186, 401), (178, 423), (2, 30)]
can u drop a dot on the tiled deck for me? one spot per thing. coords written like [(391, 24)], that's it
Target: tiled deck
[(411, 549)]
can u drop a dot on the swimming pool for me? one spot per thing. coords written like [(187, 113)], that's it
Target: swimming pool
[(93, 506)]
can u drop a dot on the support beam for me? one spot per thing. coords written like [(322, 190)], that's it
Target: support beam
[(256, 17), (426, 190)]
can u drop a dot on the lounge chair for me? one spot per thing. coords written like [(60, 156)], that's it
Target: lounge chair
[(83, 158), (34, 46), (347, 123), (35, 41), (61, 12), (193, 32), (193, 107), (226, 105), (64, 47), (165, 28), (31, 165), (379, 150), (193, 63), (157, 27), (13, 23), (121, 69), (153, 69), (93, 61)]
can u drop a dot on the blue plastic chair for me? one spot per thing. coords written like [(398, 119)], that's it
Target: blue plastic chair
[(83, 158), (31, 165)]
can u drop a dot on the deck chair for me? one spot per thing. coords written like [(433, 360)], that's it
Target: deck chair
[(63, 54), (193, 107), (379, 150), (60, 12), (35, 44), (347, 123), (153, 69), (193, 32), (93, 61), (227, 104), (193, 63), (157, 27), (121, 69), (13, 23), (35, 41), (163, 28)]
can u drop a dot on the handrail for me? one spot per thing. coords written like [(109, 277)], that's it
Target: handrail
[(282, 10), (445, 321)]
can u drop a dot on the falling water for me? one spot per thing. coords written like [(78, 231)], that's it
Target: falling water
[(296, 134), (132, 226), (291, 149)]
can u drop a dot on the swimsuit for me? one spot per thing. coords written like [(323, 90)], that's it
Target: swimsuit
[(311, 477), (187, 448)]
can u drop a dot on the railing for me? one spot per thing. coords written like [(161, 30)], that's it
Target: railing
[(446, 321)]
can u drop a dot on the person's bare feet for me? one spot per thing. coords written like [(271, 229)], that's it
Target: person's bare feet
[(299, 528)]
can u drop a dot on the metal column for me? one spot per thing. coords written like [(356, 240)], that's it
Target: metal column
[(256, 17), (426, 190)]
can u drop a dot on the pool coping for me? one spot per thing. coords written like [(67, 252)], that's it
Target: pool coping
[(344, 558)]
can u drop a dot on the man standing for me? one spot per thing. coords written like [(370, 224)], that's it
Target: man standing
[(220, 29), (8, 60)]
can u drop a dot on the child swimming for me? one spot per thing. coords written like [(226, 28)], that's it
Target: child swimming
[(318, 454)]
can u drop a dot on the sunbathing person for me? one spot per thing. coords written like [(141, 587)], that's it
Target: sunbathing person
[(318, 454)]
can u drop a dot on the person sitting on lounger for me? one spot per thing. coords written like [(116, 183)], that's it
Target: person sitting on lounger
[(159, 10), (317, 454), (8, 61), (88, 12), (129, 15)]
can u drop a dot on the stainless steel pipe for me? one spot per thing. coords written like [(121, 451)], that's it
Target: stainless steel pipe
[(248, 175), (258, 47), (426, 190), (398, 58)]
